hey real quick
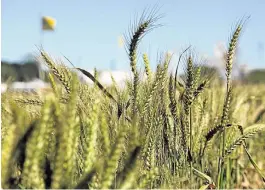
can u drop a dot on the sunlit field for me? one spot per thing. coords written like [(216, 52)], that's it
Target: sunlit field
[(162, 129)]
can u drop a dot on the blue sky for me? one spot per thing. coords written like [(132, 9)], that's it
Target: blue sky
[(87, 31)]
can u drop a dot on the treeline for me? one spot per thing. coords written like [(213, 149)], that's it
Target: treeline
[(255, 76), (19, 72), (28, 71)]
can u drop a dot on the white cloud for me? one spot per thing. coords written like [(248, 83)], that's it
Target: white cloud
[(219, 49)]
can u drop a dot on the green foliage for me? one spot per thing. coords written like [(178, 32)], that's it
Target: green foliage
[(22, 72), (154, 133), (256, 76), (19, 72)]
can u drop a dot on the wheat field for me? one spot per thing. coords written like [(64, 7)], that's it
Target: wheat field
[(161, 132)]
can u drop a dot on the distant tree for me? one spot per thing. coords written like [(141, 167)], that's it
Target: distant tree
[(29, 70), (207, 72), (19, 72), (256, 76), (8, 72)]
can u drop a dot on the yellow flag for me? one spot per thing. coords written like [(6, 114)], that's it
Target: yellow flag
[(48, 23)]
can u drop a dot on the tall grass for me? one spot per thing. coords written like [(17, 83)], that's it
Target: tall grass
[(154, 133)]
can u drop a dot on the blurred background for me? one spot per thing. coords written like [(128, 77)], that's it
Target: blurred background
[(90, 34)]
